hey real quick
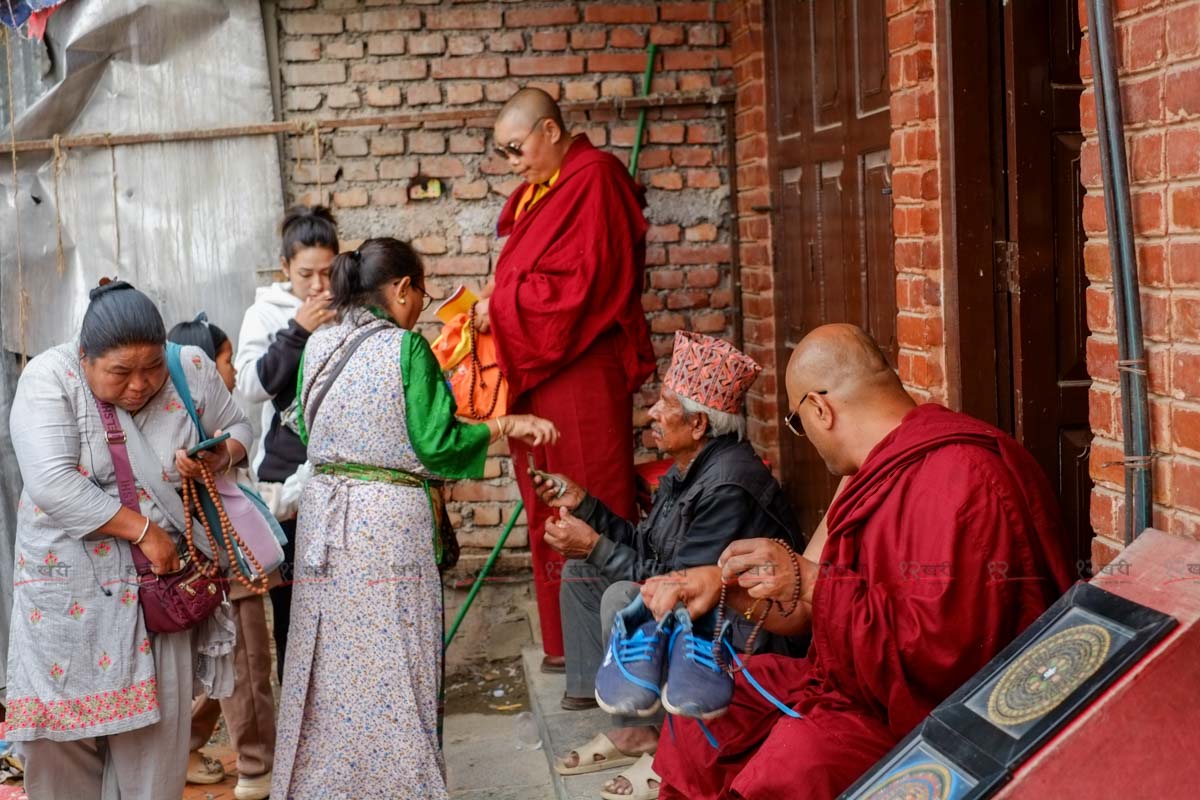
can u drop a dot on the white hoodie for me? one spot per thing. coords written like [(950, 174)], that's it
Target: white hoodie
[(274, 306)]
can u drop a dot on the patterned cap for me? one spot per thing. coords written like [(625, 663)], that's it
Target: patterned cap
[(711, 372)]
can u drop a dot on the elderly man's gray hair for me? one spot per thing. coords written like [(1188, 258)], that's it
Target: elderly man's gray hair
[(719, 422)]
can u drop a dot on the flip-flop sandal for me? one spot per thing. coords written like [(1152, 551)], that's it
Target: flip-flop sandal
[(639, 777), (600, 745)]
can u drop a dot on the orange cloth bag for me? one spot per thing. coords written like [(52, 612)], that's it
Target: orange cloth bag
[(476, 382)]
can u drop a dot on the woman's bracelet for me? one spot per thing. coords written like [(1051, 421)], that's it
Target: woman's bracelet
[(500, 427), (145, 530)]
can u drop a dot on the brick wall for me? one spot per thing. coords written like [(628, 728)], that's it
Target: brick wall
[(346, 58), (1159, 48), (916, 186)]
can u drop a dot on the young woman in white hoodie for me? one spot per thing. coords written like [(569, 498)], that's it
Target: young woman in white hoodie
[(270, 344)]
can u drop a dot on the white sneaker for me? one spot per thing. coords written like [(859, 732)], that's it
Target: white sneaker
[(257, 788), (204, 769)]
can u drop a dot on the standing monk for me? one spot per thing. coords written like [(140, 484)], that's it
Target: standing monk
[(943, 544), (566, 310)]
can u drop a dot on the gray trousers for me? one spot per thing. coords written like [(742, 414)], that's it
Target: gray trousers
[(589, 603), (145, 764)]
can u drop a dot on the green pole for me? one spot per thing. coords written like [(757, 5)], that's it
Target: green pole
[(483, 573), (641, 128)]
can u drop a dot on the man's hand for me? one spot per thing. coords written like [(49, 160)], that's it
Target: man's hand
[(557, 491), (569, 535), (483, 322), (763, 567), (698, 588)]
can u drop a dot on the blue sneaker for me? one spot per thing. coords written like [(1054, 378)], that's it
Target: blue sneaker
[(628, 680), (696, 686)]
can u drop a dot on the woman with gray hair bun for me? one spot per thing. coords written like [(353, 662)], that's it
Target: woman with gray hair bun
[(99, 705)]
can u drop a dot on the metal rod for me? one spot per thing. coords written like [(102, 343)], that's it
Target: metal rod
[(1131, 368), (641, 126), (480, 117), (483, 573)]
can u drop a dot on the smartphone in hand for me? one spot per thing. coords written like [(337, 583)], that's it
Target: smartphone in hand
[(207, 444)]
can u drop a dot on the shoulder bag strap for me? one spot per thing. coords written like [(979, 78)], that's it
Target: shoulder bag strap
[(114, 434), (175, 367), (314, 403)]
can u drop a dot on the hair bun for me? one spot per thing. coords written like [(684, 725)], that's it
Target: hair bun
[(107, 285)]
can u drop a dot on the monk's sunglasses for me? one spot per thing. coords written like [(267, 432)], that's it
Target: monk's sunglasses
[(515, 150), (792, 420)]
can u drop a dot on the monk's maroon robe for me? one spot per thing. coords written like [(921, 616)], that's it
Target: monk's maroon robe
[(942, 548), (573, 341)]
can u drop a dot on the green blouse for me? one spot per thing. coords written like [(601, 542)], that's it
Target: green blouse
[(444, 445)]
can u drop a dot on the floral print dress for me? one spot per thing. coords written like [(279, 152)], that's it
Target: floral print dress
[(80, 661), (358, 713)]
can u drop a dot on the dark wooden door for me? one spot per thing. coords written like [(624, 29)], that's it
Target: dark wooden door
[(1044, 251), (832, 212)]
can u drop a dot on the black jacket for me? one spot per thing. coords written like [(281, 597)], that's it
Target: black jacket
[(727, 493), (278, 369)]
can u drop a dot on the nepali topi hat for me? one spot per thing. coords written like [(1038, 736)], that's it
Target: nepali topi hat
[(710, 372)]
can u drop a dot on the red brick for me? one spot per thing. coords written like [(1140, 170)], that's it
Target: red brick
[(703, 179), (351, 198), (484, 67), (429, 245), (587, 40), (1146, 39), (549, 40), (464, 93), (666, 279), (546, 65), (1142, 99), (313, 74), (389, 196), (349, 145), (667, 35), (302, 50), (617, 87), (654, 158), (394, 69), (1185, 371), (464, 45), (704, 232), (706, 278), (344, 50), (540, 17), (443, 167), (311, 24), (387, 144), (1185, 208), (682, 254), (626, 38), (695, 82), (474, 190), (709, 322), (387, 44), (426, 143), (509, 42), (706, 36), (671, 181), (1183, 31), (1186, 478), (1183, 259), (398, 19), (383, 97), (663, 233), (667, 323), (691, 156), (581, 90), (1148, 212), (1102, 405), (429, 44), (1185, 317), (686, 12), (617, 62), (696, 59), (463, 19), (1146, 161), (1185, 427), (424, 94), (666, 132), (620, 14), (1182, 90), (1183, 152)]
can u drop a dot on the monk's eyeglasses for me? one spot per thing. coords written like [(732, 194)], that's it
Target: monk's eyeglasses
[(792, 420), (515, 150)]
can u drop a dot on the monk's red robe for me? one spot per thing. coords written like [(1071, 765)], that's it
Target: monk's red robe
[(573, 340), (942, 548)]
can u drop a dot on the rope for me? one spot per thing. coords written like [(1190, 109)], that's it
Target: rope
[(1134, 462), (22, 297), (112, 160), (1135, 366), (58, 159)]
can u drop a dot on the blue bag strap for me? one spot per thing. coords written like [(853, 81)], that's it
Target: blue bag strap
[(175, 367)]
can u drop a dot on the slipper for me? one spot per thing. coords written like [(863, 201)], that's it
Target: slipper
[(639, 777), (600, 745)]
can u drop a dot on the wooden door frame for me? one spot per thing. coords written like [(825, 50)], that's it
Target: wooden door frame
[(974, 288)]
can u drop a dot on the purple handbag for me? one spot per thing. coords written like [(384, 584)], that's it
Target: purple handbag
[(186, 597)]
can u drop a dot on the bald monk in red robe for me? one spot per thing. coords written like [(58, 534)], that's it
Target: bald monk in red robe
[(566, 309), (942, 545)]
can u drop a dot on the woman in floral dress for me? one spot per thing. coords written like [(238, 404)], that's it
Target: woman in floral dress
[(358, 715), (99, 706)]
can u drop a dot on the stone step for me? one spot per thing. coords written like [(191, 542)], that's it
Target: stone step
[(562, 730)]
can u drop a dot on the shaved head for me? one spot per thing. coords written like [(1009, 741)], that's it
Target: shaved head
[(529, 105), (841, 359), (845, 394)]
